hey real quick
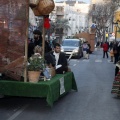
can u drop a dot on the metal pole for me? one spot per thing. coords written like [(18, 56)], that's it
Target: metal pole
[(26, 41), (43, 39), (116, 33)]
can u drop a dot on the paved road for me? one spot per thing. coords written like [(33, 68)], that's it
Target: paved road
[(93, 101)]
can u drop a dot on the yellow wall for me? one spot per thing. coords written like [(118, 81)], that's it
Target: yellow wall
[(117, 17)]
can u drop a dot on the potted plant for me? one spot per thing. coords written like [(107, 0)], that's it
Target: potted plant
[(35, 66)]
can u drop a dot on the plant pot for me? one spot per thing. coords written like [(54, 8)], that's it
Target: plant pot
[(34, 76)]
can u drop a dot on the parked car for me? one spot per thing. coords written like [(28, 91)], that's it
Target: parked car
[(72, 47)]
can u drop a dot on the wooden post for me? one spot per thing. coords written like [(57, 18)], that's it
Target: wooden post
[(43, 39), (26, 41), (116, 33)]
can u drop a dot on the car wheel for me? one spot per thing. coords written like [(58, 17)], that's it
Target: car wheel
[(78, 56), (81, 54)]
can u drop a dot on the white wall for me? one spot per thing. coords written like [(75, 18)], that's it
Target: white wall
[(77, 16)]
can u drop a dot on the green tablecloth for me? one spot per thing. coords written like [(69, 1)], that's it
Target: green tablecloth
[(49, 89)]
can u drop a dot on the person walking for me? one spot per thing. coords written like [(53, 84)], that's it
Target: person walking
[(107, 36), (105, 49), (111, 54), (111, 45), (85, 48), (88, 50), (98, 45), (116, 52)]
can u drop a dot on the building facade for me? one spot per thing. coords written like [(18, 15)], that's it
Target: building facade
[(75, 12), (117, 19)]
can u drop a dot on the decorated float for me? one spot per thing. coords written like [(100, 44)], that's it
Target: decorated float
[(15, 17)]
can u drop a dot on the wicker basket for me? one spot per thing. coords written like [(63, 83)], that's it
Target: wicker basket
[(36, 12), (46, 6), (33, 76)]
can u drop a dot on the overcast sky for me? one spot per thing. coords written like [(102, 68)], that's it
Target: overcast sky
[(87, 1)]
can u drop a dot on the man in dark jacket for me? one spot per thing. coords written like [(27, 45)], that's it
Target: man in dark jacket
[(38, 41), (37, 37), (60, 59)]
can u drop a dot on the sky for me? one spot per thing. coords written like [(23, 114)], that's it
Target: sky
[(87, 1)]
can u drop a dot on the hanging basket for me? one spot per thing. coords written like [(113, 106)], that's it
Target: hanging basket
[(33, 76), (36, 12), (46, 6), (33, 3)]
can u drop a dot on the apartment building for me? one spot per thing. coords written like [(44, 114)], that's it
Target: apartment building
[(75, 12)]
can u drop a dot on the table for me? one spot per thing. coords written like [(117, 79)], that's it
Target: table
[(48, 89)]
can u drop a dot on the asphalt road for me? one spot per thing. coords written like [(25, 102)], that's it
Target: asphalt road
[(93, 101)]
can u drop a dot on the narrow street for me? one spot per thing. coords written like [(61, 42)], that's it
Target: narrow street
[(93, 101)]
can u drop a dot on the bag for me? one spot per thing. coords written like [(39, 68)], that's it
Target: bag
[(49, 72)]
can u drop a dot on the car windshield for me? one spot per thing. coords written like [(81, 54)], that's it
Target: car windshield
[(70, 43)]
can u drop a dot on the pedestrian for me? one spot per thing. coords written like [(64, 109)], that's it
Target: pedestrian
[(111, 54), (98, 45), (116, 52), (116, 82), (85, 48), (111, 45), (101, 44), (88, 50), (105, 49), (117, 68), (107, 36), (119, 49)]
